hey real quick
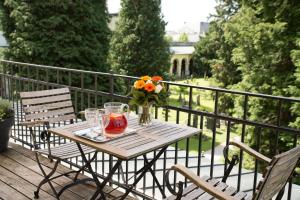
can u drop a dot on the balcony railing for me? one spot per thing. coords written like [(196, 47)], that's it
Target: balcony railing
[(92, 89)]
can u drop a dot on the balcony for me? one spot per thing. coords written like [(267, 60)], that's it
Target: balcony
[(201, 153)]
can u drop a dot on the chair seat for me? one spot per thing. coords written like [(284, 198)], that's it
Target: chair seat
[(65, 151), (192, 192)]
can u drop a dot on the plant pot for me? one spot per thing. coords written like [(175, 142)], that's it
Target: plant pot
[(145, 115), (5, 127)]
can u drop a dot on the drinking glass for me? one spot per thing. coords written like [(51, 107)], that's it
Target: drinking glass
[(105, 119), (91, 116)]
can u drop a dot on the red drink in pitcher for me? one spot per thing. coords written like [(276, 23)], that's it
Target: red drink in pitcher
[(117, 124)]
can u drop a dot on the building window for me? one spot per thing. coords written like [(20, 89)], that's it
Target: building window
[(183, 66), (175, 65), (191, 66)]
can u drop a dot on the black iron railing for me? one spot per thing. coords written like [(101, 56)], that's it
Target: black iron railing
[(92, 89)]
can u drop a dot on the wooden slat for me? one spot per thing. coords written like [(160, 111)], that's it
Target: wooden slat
[(21, 185), (27, 158), (142, 142), (186, 190), (221, 186), (45, 100), (47, 114), (49, 106), (198, 193), (190, 192), (42, 93), (6, 193), (61, 118), (277, 174), (239, 195), (32, 177), (65, 151)]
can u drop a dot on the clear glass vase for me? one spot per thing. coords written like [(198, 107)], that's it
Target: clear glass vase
[(145, 115)]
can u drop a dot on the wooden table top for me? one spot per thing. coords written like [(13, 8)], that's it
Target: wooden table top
[(146, 138)]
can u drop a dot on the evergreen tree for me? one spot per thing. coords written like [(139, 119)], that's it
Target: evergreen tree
[(213, 52), (72, 34), (138, 46)]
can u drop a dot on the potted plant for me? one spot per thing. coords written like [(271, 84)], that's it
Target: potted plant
[(6, 122)]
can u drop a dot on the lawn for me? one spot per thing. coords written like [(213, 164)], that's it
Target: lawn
[(202, 100)]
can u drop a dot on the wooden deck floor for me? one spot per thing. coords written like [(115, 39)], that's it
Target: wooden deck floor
[(20, 174)]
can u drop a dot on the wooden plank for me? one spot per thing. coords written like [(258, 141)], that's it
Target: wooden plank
[(49, 106), (47, 114), (42, 93), (221, 186), (21, 185), (61, 118), (239, 195), (26, 156), (83, 190), (50, 99), (186, 190), (32, 177), (133, 151), (9, 193)]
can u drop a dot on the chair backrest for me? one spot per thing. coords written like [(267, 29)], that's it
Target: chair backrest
[(277, 174), (52, 105)]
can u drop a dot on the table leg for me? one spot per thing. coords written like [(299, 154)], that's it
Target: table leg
[(143, 172), (109, 176), (155, 179), (94, 175)]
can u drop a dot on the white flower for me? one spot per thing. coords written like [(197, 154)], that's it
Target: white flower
[(149, 81), (158, 88)]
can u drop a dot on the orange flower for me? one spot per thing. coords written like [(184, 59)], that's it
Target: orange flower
[(149, 87), (139, 84), (145, 78), (157, 78)]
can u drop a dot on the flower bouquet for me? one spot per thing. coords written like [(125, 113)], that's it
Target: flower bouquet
[(148, 91)]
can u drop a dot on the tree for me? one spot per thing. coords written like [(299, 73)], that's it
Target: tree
[(295, 89), (71, 34), (183, 37), (252, 46), (138, 46), (213, 52)]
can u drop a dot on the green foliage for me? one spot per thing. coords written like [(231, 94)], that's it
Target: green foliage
[(255, 46), (138, 46), (183, 37), (6, 110), (295, 89), (72, 34)]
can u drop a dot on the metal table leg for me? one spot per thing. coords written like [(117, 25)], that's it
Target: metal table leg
[(143, 171), (94, 175), (110, 174)]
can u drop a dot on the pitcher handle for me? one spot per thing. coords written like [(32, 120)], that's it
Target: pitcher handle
[(127, 107)]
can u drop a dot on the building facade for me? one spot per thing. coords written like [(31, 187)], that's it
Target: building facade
[(182, 58)]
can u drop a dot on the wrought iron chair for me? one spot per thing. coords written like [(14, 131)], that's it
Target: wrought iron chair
[(280, 170), (46, 108)]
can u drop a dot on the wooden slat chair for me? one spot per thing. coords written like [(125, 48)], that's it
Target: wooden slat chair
[(43, 108), (278, 173)]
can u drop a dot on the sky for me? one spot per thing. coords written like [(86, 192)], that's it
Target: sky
[(179, 13)]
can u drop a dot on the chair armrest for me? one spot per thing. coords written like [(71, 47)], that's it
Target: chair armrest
[(34, 123), (250, 151), (201, 183)]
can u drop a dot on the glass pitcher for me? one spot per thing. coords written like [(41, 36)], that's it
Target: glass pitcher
[(118, 114)]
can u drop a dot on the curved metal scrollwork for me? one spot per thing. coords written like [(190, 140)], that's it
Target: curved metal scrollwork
[(235, 157), (45, 135), (173, 190)]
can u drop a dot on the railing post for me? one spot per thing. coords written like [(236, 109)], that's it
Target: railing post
[(111, 84)]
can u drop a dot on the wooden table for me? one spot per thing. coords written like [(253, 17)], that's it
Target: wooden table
[(159, 135)]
